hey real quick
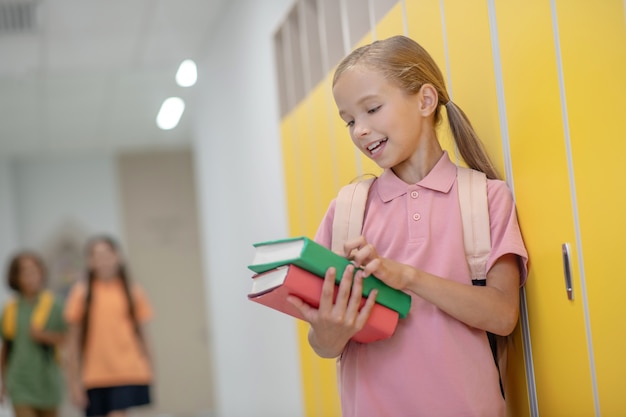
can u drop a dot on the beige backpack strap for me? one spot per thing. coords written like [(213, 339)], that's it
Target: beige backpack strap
[(349, 212), (472, 186)]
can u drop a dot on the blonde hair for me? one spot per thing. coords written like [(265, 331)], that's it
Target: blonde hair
[(404, 62)]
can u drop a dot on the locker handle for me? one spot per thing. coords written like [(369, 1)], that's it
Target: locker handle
[(567, 269)]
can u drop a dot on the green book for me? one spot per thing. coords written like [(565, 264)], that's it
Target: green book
[(315, 258)]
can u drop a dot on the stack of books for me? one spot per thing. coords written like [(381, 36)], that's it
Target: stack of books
[(296, 266)]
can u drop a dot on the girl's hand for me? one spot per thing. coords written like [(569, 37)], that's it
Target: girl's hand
[(336, 321), (47, 338), (364, 255), (38, 336), (79, 396)]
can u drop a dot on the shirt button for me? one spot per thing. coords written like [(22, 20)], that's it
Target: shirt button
[(416, 216), (414, 194)]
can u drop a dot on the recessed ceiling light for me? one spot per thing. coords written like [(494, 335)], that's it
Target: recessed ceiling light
[(170, 113), (187, 73)]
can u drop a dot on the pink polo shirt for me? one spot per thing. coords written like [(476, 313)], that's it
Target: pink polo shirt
[(434, 365)]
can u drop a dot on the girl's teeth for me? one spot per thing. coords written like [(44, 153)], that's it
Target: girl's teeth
[(376, 144)]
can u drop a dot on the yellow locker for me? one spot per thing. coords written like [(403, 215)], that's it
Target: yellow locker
[(425, 27), (308, 165), (540, 173), (593, 46), (314, 163), (392, 23), (591, 37), (291, 155), (472, 72), (322, 141)]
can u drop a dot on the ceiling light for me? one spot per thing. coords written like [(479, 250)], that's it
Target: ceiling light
[(187, 73), (169, 114)]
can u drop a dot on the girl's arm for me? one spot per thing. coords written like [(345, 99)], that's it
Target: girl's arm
[(56, 329), (4, 355), (145, 341), (494, 308), (48, 337), (72, 366), (335, 322)]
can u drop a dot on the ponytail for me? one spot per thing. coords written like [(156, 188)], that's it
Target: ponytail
[(84, 324), (467, 141)]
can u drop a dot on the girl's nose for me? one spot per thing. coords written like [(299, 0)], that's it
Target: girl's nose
[(361, 130)]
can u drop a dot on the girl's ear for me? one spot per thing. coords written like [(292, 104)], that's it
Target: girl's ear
[(429, 99)]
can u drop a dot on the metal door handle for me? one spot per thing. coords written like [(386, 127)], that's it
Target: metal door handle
[(567, 269)]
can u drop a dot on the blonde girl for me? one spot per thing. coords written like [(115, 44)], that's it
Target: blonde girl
[(438, 363)]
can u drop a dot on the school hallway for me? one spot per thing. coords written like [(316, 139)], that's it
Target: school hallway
[(255, 151)]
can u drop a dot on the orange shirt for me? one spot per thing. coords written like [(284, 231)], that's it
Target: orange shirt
[(113, 353)]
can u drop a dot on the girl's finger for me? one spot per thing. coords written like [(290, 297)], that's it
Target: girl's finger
[(343, 293), (355, 295), (372, 267), (365, 312), (304, 309), (364, 255), (328, 290), (351, 247)]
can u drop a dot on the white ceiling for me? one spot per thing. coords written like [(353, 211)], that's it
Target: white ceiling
[(92, 74)]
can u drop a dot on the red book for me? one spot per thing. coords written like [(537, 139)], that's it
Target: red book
[(271, 289)]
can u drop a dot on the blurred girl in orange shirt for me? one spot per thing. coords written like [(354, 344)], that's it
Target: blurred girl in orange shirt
[(110, 368)]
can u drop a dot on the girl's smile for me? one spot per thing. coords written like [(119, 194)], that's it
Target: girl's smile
[(375, 147)]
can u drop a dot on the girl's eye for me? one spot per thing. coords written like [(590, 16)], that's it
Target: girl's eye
[(374, 110), (350, 123)]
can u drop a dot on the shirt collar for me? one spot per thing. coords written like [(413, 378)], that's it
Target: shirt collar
[(440, 178)]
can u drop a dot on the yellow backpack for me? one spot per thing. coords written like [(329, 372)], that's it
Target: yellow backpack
[(38, 320)]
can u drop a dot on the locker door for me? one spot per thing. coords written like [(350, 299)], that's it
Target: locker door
[(291, 157), (391, 23), (316, 170), (540, 174), (323, 146), (473, 87), (593, 45), (424, 25)]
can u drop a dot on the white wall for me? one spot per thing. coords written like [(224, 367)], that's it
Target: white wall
[(8, 236), (160, 216), (54, 190), (239, 171), (39, 195)]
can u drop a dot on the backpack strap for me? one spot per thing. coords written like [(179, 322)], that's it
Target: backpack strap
[(42, 310), (472, 187), (38, 319), (349, 212), (9, 320)]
